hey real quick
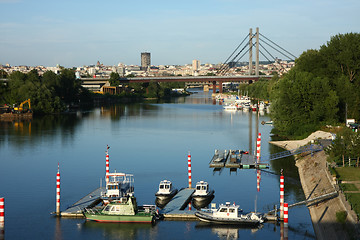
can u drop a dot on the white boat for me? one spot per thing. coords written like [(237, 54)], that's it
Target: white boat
[(202, 195), (119, 185), (230, 107), (166, 190), (202, 191), (229, 214)]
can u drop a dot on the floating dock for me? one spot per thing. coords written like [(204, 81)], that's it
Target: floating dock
[(219, 159), (178, 208), (89, 201), (235, 159)]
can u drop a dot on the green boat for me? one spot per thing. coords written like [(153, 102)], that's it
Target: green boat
[(124, 210)]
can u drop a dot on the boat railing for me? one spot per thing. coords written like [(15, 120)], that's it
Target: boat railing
[(92, 210)]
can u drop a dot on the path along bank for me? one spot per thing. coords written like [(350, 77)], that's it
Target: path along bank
[(316, 180)]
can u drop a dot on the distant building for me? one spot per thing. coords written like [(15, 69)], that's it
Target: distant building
[(145, 60), (195, 65)]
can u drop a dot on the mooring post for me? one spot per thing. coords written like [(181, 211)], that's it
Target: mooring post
[(189, 169), (281, 196), (58, 191), (107, 164)]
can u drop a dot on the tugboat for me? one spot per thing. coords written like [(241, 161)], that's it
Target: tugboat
[(229, 214), (124, 210), (203, 195), (119, 185)]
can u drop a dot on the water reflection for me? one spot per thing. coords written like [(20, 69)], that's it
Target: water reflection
[(123, 230), (227, 231)]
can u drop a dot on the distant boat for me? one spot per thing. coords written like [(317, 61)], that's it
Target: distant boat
[(230, 107), (266, 122)]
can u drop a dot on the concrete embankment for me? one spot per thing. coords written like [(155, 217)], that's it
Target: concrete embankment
[(317, 181)]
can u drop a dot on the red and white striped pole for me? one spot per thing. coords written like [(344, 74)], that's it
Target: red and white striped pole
[(282, 195), (258, 148), (189, 169), (286, 219), (258, 151), (58, 191), (107, 164), (286, 213), (2, 213)]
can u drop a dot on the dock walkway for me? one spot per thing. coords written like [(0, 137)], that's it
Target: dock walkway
[(177, 207), (90, 200)]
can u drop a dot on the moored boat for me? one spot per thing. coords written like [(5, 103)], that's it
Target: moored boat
[(124, 210), (166, 190), (229, 214), (202, 191), (119, 185), (203, 195), (230, 107)]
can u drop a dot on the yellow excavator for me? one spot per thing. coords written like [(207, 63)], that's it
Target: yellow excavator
[(20, 108)]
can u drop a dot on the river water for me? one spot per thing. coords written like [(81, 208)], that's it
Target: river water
[(151, 141)]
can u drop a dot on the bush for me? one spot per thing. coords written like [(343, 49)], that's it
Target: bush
[(341, 216)]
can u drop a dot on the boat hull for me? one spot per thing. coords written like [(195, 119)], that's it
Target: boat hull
[(137, 218), (207, 217), (166, 196)]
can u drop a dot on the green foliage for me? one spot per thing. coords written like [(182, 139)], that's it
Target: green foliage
[(49, 93), (321, 89), (114, 79), (346, 145), (341, 216)]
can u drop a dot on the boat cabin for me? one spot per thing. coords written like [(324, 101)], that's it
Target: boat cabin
[(227, 210), (165, 186), (119, 185), (202, 188)]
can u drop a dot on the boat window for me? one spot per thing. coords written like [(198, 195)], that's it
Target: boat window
[(203, 187), (223, 210), (167, 186), (198, 187), (112, 208), (107, 208), (161, 187), (118, 208), (231, 210)]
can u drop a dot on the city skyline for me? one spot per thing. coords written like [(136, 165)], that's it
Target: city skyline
[(77, 33)]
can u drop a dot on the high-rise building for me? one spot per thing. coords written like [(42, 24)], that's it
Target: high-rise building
[(195, 65), (145, 60)]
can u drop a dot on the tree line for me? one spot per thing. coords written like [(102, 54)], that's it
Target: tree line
[(54, 93), (49, 93), (322, 88)]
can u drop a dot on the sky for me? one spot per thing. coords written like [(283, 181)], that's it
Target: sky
[(81, 32)]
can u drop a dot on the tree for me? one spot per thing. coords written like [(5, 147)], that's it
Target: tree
[(114, 79)]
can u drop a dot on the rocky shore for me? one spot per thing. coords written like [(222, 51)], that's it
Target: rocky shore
[(316, 181)]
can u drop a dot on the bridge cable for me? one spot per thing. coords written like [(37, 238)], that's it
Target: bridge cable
[(282, 67), (278, 46), (238, 58), (275, 49), (225, 63)]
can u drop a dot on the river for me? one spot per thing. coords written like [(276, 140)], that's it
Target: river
[(151, 141)]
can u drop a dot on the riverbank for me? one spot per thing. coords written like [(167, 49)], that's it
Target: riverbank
[(317, 181)]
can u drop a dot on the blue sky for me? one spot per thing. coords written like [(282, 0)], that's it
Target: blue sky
[(81, 32)]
